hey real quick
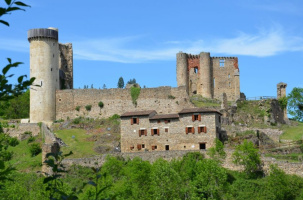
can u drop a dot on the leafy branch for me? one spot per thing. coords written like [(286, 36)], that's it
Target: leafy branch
[(11, 6)]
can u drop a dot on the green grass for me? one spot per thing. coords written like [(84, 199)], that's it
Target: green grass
[(22, 159), (200, 101), (293, 157), (80, 146), (293, 132)]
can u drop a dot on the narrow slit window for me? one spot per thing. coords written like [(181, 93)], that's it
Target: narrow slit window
[(214, 82), (41, 83), (196, 70), (228, 75)]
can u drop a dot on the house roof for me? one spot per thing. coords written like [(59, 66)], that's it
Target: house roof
[(139, 113), (198, 110), (165, 116)]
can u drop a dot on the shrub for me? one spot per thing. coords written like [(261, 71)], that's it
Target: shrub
[(283, 102), (35, 149), (88, 107), (135, 92), (171, 97), (114, 117), (27, 133), (78, 108), (100, 104), (13, 141), (31, 139), (6, 155), (77, 120)]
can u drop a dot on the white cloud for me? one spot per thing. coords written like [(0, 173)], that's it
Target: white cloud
[(262, 44)]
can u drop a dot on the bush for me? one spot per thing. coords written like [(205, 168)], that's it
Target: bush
[(100, 104), (88, 107), (13, 141), (31, 139), (171, 97), (35, 149), (77, 120), (27, 133), (114, 117), (135, 92), (78, 108), (6, 155)]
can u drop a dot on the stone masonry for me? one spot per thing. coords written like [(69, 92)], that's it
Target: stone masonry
[(209, 76), (190, 129)]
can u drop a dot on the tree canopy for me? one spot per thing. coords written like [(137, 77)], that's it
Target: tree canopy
[(295, 103)]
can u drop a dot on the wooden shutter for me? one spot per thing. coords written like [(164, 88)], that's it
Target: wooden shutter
[(205, 131), (193, 117), (138, 120), (131, 121), (199, 129), (186, 130), (145, 132), (165, 121), (193, 130), (139, 133), (158, 132), (153, 147), (151, 131), (199, 117), (139, 146)]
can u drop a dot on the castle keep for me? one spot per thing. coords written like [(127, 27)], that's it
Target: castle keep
[(209, 76)]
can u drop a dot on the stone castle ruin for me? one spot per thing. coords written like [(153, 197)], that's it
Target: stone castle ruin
[(52, 64)]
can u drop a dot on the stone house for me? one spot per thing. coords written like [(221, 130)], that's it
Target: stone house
[(190, 129)]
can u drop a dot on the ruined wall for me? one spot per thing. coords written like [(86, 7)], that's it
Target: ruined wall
[(66, 66), (19, 130), (118, 101), (226, 77), (175, 137)]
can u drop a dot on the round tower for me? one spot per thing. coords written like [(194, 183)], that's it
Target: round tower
[(182, 71), (205, 78), (44, 66)]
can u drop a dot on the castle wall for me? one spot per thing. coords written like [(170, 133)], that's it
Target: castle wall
[(66, 65), (118, 101), (226, 78)]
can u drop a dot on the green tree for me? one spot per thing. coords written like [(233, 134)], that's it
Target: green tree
[(295, 103), (247, 155), (132, 81), (121, 82), (217, 152)]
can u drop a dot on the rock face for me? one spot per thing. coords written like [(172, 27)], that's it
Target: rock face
[(66, 66)]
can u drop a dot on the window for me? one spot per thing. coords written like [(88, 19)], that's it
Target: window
[(132, 148), (155, 131), (222, 62), (196, 117), (196, 70), (202, 129), (202, 146), (167, 147), (189, 130), (41, 83), (166, 130), (154, 147), (143, 146), (228, 75), (167, 121), (139, 146), (142, 132), (159, 121), (134, 120), (214, 82)]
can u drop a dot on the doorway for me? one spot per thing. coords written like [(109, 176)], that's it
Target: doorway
[(202, 146), (167, 147)]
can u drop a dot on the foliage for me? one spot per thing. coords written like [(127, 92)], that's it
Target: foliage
[(13, 141), (11, 6), (283, 102), (295, 103), (15, 108), (121, 82), (35, 149), (104, 86), (135, 92), (88, 107), (171, 96), (200, 101), (31, 139), (132, 81), (78, 108), (247, 155), (100, 104), (115, 117), (217, 152)]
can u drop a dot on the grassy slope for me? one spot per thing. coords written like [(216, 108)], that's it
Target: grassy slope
[(80, 146), (22, 159), (293, 132)]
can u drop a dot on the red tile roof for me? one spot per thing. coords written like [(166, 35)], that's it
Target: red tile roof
[(198, 110), (165, 116), (139, 113)]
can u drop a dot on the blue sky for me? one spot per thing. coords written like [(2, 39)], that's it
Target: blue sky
[(140, 38)]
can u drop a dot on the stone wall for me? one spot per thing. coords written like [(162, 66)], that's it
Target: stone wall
[(19, 130), (118, 101), (66, 65)]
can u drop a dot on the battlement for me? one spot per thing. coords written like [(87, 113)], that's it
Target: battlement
[(42, 33)]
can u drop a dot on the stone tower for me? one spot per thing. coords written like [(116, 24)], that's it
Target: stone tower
[(44, 66), (281, 90), (209, 76)]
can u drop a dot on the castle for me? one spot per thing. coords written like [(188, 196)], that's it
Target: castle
[(51, 63)]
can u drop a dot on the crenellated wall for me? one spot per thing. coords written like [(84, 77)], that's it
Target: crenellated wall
[(118, 101)]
